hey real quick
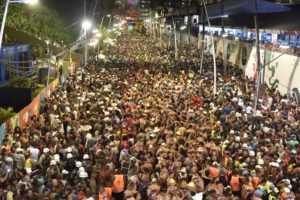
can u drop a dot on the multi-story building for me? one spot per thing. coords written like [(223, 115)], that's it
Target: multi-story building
[(185, 3), (144, 8)]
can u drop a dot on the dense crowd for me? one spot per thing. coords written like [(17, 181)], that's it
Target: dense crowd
[(142, 126)]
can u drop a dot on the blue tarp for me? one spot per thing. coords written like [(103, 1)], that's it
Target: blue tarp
[(235, 7)]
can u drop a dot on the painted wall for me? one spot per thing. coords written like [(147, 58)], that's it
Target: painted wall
[(281, 74)]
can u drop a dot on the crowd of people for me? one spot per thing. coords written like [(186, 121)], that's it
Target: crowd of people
[(143, 126)]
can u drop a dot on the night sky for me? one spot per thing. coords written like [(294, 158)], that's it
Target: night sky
[(72, 10)]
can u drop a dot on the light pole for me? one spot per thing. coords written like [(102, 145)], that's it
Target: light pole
[(182, 28), (86, 25), (5, 14), (109, 16), (49, 61), (213, 49)]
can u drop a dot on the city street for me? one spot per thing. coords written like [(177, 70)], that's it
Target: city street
[(148, 107)]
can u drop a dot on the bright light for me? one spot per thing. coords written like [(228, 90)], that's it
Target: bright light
[(108, 15), (224, 35), (86, 25), (98, 35), (31, 1), (92, 44), (47, 42), (95, 31), (182, 28), (225, 16)]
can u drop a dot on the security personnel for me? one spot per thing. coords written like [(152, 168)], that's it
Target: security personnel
[(118, 186)]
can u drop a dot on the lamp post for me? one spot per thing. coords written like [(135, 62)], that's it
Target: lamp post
[(109, 16), (6, 11), (213, 49), (86, 25), (98, 35)]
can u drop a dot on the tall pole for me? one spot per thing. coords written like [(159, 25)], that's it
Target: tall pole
[(109, 21), (175, 38), (49, 68), (223, 31), (85, 37), (189, 23), (3, 23), (213, 48), (101, 22), (203, 37), (258, 81)]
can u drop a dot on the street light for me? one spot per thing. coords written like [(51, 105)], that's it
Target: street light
[(86, 25), (6, 11), (182, 28), (109, 16)]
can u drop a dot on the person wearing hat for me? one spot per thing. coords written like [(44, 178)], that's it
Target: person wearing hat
[(255, 180), (19, 159), (53, 170), (214, 170), (258, 194), (153, 189), (45, 158), (87, 164)]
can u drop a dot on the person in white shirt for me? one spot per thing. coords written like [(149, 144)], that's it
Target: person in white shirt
[(34, 153)]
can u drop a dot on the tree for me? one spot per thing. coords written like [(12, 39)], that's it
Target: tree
[(40, 22)]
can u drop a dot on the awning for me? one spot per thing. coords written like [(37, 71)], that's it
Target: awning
[(235, 7)]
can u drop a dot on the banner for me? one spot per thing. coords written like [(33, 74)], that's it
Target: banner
[(2, 132), (281, 71), (252, 69), (24, 116), (32, 109)]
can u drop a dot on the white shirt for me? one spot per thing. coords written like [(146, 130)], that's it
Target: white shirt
[(198, 196), (34, 153)]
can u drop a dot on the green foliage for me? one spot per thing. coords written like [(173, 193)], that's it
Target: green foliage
[(38, 90), (38, 21), (6, 114), (19, 82), (105, 33), (44, 81)]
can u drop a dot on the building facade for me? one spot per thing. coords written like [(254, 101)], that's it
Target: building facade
[(144, 8)]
